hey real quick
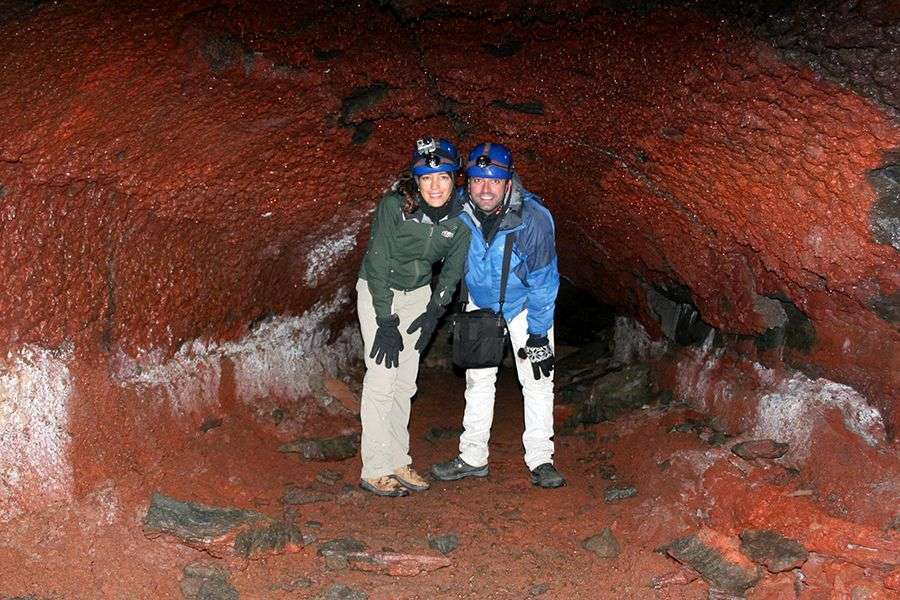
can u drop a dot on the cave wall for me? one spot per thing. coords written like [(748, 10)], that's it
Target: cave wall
[(185, 192)]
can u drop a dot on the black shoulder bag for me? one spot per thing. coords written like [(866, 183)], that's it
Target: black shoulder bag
[(479, 336)]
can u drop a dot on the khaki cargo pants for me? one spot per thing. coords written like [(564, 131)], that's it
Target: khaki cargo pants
[(386, 392)]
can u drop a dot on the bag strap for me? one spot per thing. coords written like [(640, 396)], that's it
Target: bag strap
[(504, 276)]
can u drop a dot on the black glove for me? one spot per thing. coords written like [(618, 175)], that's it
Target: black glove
[(537, 350), (427, 322), (388, 343)]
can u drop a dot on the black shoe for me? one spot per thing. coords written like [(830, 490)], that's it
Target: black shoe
[(546, 476), (457, 469)]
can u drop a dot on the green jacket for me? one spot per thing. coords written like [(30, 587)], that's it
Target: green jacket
[(403, 248)]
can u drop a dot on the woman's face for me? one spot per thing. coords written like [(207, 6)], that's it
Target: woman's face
[(436, 188)]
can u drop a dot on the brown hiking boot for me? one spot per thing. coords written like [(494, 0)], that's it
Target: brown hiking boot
[(410, 479), (384, 486)]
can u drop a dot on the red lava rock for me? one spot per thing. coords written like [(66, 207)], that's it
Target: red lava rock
[(717, 558), (782, 586), (752, 449), (892, 581), (396, 564), (767, 507), (681, 576)]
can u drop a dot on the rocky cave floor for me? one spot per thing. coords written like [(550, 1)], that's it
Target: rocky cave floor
[(641, 486)]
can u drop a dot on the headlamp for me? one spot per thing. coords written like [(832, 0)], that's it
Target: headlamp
[(427, 146), (483, 161), (434, 161)]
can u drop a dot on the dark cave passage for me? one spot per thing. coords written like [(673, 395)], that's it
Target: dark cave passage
[(186, 192)]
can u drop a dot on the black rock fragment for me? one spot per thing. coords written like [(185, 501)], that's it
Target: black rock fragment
[(772, 550), (337, 448), (886, 307), (616, 393), (207, 581), (618, 492), (309, 495), (445, 544), (884, 219), (193, 522), (340, 591), (273, 537), (731, 573), (604, 544), (341, 546)]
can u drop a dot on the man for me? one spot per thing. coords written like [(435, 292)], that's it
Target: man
[(496, 206)]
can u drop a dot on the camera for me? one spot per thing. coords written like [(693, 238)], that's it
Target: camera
[(426, 146)]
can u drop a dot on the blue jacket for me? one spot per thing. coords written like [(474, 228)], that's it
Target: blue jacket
[(533, 274)]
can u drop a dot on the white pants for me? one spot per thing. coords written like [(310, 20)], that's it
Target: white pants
[(386, 394), (479, 414)]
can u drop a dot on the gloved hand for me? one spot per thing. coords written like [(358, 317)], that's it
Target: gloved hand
[(427, 322), (388, 343), (537, 350)]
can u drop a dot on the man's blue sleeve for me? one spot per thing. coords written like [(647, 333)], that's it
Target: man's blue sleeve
[(539, 248)]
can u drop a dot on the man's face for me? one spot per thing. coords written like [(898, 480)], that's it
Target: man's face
[(487, 193)]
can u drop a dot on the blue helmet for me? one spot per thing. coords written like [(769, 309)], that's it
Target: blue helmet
[(434, 156), (491, 161)]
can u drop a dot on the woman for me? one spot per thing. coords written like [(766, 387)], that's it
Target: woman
[(415, 227)]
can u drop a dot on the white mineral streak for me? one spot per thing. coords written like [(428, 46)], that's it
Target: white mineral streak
[(632, 344), (280, 357), (35, 388), (329, 252)]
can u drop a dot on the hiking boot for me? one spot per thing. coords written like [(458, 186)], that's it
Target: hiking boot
[(410, 479), (457, 469), (384, 486), (546, 476)]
